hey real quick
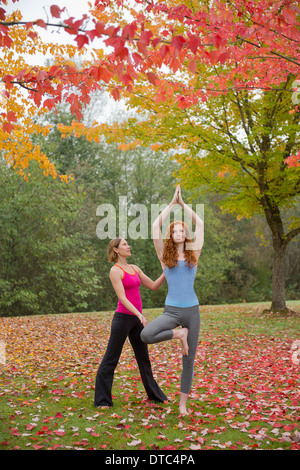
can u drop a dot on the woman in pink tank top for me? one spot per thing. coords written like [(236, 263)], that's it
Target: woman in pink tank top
[(128, 321)]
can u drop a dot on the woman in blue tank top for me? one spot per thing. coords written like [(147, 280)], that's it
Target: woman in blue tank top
[(179, 258)]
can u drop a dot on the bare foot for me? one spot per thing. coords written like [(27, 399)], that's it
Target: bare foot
[(182, 404), (183, 411), (183, 336)]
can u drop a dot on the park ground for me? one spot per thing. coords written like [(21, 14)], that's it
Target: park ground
[(245, 391)]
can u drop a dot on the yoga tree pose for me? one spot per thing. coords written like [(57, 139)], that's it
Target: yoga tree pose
[(179, 258)]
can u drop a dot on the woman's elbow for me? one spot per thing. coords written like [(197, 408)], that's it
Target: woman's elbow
[(153, 286)]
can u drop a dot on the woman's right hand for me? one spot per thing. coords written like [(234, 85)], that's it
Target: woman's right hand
[(143, 320), (176, 195)]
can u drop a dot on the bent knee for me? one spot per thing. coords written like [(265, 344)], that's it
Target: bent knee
[(145, 337)]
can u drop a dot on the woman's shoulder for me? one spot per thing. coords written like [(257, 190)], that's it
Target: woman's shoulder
[(135, 267), (115, 267), (116, 270)]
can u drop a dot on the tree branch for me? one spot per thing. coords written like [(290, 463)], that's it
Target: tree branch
[(290, 235)]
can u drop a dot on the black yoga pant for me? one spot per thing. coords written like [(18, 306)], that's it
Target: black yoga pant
[(124, 325), (161, 329)]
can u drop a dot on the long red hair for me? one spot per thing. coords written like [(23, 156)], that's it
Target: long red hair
[(170, 253)]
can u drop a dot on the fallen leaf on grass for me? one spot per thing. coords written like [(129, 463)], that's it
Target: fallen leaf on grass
[(134, 443), (195, 446)]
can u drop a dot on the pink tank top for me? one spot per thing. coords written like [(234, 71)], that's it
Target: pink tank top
[(131, 283)]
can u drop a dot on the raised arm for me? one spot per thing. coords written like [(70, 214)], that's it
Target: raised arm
[(157, 224), (197, 244)]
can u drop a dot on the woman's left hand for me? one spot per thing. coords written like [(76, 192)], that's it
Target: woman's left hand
[(180, 200)]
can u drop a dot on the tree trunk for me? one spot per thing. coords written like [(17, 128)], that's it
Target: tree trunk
[(278, 276), (280, 241)]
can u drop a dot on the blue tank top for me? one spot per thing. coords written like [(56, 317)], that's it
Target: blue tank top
[(180, 281)]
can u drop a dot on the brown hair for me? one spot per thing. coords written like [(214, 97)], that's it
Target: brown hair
[(170, 253), (111, 254)]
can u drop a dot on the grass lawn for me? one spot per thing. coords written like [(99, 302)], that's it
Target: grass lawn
[(245, 392)]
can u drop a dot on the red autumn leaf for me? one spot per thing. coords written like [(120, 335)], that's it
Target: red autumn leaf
[(15, 432), (213, 56), (7, 127), (84, 442), (7, 41), (3, 29), (163, 51), (11, 116), (116, 94), (29, 25), (41, 75), (37, 98), (33, 35), (161, 436), (193, 66), (137, 58), (55, 11), (41, 23), (129, 30), (100, 28), (79, 394), (2, 14), (217, 40), (152, 77), (101, 73), (122, 53), (37, 447), (7, 79), (194, 43), (155, 42), (144, 41), (178, 42), (29, 427), (73, 26), (92, 34), (223, 57), (53, 71), (81, 40)]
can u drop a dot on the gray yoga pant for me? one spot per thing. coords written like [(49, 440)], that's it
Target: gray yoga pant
[(160, 329)]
